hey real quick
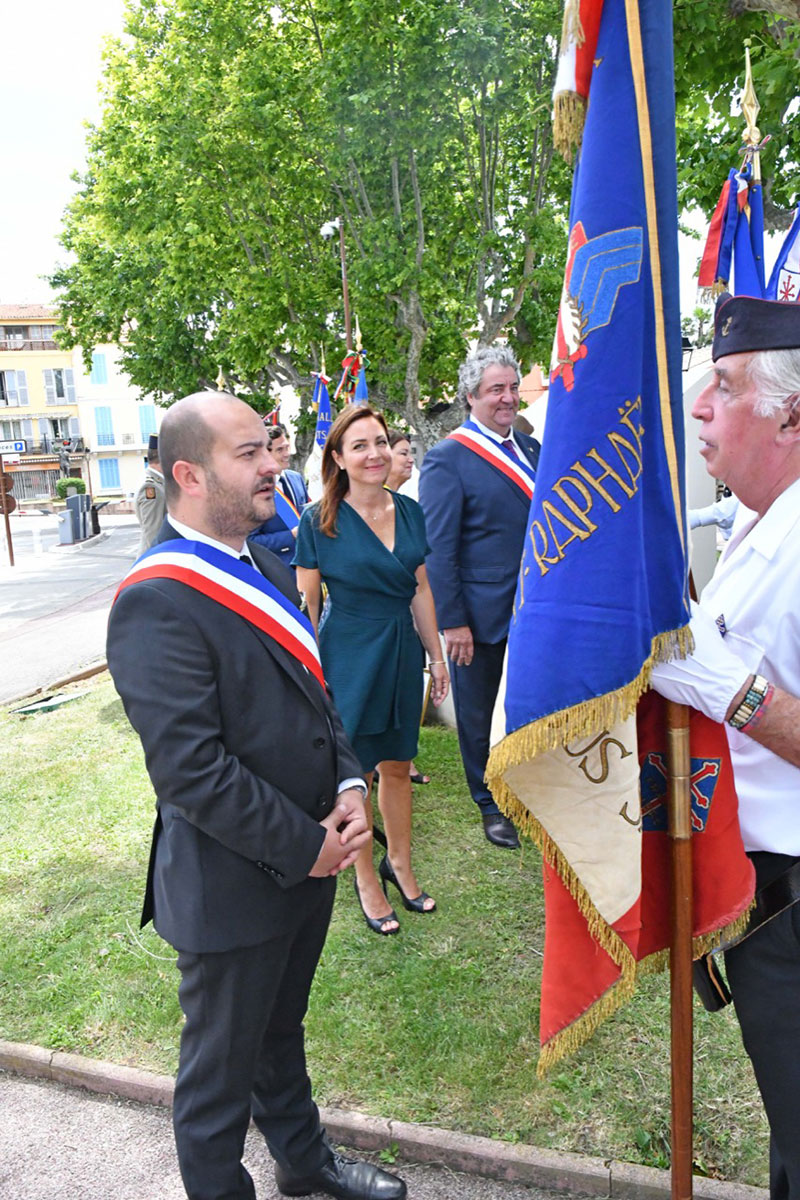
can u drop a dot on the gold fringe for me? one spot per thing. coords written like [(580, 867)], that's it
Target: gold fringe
[(562, 727), (569, 115), (569, 1040), (571, 28)]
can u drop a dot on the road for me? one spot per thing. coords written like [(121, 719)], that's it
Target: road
[(54, 601)]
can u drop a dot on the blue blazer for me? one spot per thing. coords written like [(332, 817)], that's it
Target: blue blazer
[(275, 534), (476, 521)]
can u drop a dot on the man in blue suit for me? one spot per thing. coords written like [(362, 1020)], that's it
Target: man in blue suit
[(278, 534), (475, 489)]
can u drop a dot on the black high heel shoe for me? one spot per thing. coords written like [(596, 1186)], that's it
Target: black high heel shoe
[(376, 923), (413, 904)]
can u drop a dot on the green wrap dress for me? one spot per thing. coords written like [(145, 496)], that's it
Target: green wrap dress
[(370, 651)]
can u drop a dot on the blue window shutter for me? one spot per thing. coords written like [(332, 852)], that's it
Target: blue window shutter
[(104, 426), (99, 370), (12, 395), (27, 430), (109, 472), (69, 385), (147, 420), (74, 427)]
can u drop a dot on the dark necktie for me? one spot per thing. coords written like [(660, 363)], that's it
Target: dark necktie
[(510, 449), (245, 558)]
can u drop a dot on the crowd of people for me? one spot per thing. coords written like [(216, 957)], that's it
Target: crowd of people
[(264, 747)]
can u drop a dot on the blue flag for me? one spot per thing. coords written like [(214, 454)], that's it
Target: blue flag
[(602, 589), (784, 282), (361, 396), (735, 243), (324, 418)]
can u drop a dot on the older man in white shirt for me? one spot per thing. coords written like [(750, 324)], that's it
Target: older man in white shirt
[(750, 678)]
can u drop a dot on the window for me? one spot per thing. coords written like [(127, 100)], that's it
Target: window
[(59, 385), (99, 370), (147, 420), (13, 388), (12, 431), (109, 473), (104, 427)]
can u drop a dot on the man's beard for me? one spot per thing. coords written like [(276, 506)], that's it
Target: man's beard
[(233, 514)]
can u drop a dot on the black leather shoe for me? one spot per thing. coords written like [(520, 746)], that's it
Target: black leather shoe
[(348, 1178), (500, 831)]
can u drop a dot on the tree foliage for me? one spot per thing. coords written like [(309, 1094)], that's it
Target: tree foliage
[(232, 131)]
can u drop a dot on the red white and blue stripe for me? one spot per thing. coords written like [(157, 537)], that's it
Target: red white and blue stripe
[(238, 586)]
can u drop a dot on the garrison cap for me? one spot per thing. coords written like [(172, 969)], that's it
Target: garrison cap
[(152, 445), (746, 323)]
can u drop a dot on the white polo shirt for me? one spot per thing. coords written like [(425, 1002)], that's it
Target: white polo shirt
[(755, 593)]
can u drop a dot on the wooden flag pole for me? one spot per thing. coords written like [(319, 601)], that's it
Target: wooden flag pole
[(348, 334), (680, 832)]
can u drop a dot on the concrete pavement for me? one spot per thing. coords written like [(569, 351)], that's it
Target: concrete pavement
[(54, 601)]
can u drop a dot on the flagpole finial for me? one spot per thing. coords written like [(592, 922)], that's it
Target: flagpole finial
[(220, 380), (359, 343), (324, 371), (750, 110)]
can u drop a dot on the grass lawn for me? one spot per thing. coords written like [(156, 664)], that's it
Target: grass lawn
[(438, 1025)]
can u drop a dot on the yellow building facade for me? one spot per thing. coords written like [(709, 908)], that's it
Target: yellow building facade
[(38, 401)]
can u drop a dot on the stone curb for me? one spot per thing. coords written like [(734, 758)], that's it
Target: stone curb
[(514, 1163)]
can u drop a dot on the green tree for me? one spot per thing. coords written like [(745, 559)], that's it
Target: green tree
[(232, 132)]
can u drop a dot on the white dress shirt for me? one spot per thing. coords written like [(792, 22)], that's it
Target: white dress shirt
[(755, 592)]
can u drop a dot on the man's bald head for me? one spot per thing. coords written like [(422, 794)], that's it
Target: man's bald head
[(188, 432)]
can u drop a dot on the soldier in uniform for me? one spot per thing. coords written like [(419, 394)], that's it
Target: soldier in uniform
[(151, 499)]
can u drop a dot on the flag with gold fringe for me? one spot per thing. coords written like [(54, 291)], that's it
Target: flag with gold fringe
[(602, 591)]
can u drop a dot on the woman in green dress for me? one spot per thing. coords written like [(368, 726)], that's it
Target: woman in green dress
[(368, 546)]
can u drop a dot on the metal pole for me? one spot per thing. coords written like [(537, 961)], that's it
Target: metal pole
[(680, 832), (348, 335), (5, 516)]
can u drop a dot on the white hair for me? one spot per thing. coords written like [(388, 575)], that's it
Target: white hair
[(470, 373), (775, 374)]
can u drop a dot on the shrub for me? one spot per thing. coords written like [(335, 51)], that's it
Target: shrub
[(62, 485)]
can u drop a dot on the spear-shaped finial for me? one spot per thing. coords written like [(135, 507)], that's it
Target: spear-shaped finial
[(750, 110), (220, 380), (359, 343)]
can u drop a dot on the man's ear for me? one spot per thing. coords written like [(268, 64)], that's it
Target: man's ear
[(189, 477), (789, 431)]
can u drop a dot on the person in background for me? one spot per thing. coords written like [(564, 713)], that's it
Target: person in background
[(745, 671), (279, 532), (151, 499), (400, 472), (368, 546), (475, 488)]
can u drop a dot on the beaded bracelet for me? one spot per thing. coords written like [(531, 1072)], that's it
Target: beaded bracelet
[(759, 693), (750, 725)]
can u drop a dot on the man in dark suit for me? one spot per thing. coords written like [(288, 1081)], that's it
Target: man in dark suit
[(259, 806), (279, 533), (475, 489)]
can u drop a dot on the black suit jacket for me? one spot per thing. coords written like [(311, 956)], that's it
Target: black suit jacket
[(476, 520), (245, 753)]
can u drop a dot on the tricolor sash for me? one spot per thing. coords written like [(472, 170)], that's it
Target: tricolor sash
[(285, 509), (238, 586), (519, 471)]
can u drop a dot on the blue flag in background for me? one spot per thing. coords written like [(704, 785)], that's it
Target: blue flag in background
[(361, 396), (324, 418), (784, 282), (735, 243)]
